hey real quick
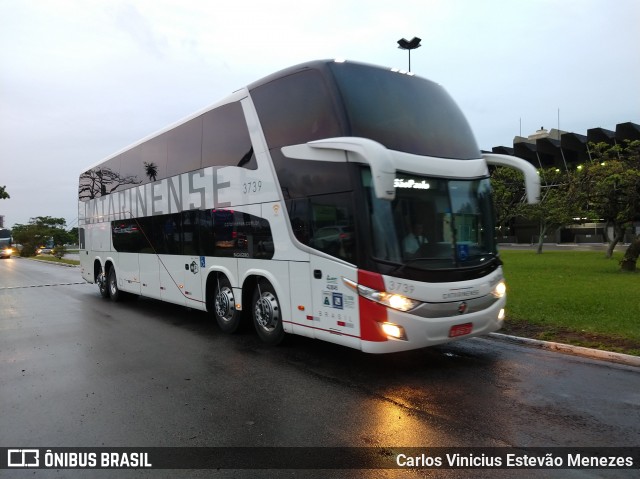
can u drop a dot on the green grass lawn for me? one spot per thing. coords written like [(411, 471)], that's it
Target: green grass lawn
[(573, 296), (53, 259)]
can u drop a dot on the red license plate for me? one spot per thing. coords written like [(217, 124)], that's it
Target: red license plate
[(460, 330)]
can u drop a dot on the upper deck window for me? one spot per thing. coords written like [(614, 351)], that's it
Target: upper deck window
[(404, 113), (296, 109)]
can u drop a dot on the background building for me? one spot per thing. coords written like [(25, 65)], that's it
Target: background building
[(566, 151)]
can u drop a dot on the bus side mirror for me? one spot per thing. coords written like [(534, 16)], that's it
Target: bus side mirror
[(531, 177), (372, 153)]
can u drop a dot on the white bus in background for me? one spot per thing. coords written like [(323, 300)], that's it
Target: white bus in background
[(335, 200)]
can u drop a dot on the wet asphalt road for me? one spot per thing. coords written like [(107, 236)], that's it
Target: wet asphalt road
[(77, 370)]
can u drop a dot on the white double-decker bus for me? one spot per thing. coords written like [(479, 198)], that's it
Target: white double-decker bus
[(335, 200)]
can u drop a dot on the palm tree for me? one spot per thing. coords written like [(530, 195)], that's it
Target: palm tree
[(151, 170)]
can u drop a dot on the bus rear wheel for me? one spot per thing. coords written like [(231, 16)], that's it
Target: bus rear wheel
[(224, 306), (112, 284), (101, 280), (267, 315)]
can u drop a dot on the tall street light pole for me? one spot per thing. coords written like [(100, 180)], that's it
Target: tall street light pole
[(412, 44)]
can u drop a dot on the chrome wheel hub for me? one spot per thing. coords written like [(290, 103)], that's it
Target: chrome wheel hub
[(225, 304), (267, 312)]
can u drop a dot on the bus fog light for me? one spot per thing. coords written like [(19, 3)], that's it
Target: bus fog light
[(393, 331), (501, 315)]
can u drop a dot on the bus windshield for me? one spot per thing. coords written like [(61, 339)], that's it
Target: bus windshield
[(433, 223)]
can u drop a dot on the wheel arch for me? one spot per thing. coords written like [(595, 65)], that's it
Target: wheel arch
[(249, 284), (210, 284), (98, 264)]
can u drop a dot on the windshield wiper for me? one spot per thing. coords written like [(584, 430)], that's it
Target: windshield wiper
[(410, 262)]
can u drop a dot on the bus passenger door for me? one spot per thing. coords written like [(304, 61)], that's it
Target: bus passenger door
[(193, 268), (194, 263), (149, 275), (172, 275)]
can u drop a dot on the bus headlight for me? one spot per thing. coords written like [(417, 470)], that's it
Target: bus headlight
[(500, 290), (395, 301), (399, 302)]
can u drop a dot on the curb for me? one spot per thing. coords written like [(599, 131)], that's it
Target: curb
[(610, 356), (53, 263)]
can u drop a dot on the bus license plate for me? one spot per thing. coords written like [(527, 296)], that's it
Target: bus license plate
[(460, 330)]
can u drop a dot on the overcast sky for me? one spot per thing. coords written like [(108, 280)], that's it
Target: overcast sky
[(82, 79)]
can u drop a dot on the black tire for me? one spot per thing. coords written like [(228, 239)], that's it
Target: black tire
[(223, 304), (101, 281), (267, 314), (112, 285)]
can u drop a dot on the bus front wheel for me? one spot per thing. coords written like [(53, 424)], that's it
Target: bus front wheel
[(267, 315)]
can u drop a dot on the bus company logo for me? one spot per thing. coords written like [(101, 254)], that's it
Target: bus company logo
[(464, 293), (23, 458), (193, 267), (463, 307)]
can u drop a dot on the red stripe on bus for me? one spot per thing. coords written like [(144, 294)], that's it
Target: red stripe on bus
[(371, 313)]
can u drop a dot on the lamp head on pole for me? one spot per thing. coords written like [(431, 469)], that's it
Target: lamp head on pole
[(412, 44)]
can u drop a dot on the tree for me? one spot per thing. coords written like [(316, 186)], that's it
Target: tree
[(38, 232), (609, 186), (556, 207), (3, 193), (509, 196), (73, 236), (630, 259)]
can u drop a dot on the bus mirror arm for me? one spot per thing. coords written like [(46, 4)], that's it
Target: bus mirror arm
[(531, 177), (372, 153)]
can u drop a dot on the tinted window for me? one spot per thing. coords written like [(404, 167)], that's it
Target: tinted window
[(404, 113), (300, 178), (127, 236), (296, 109), (226, 140), (89, 187), (325, 223), (101, 180), (132, 171), (153, 159), (167, 234), (184, 147), (224, 233), (241, 235)]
